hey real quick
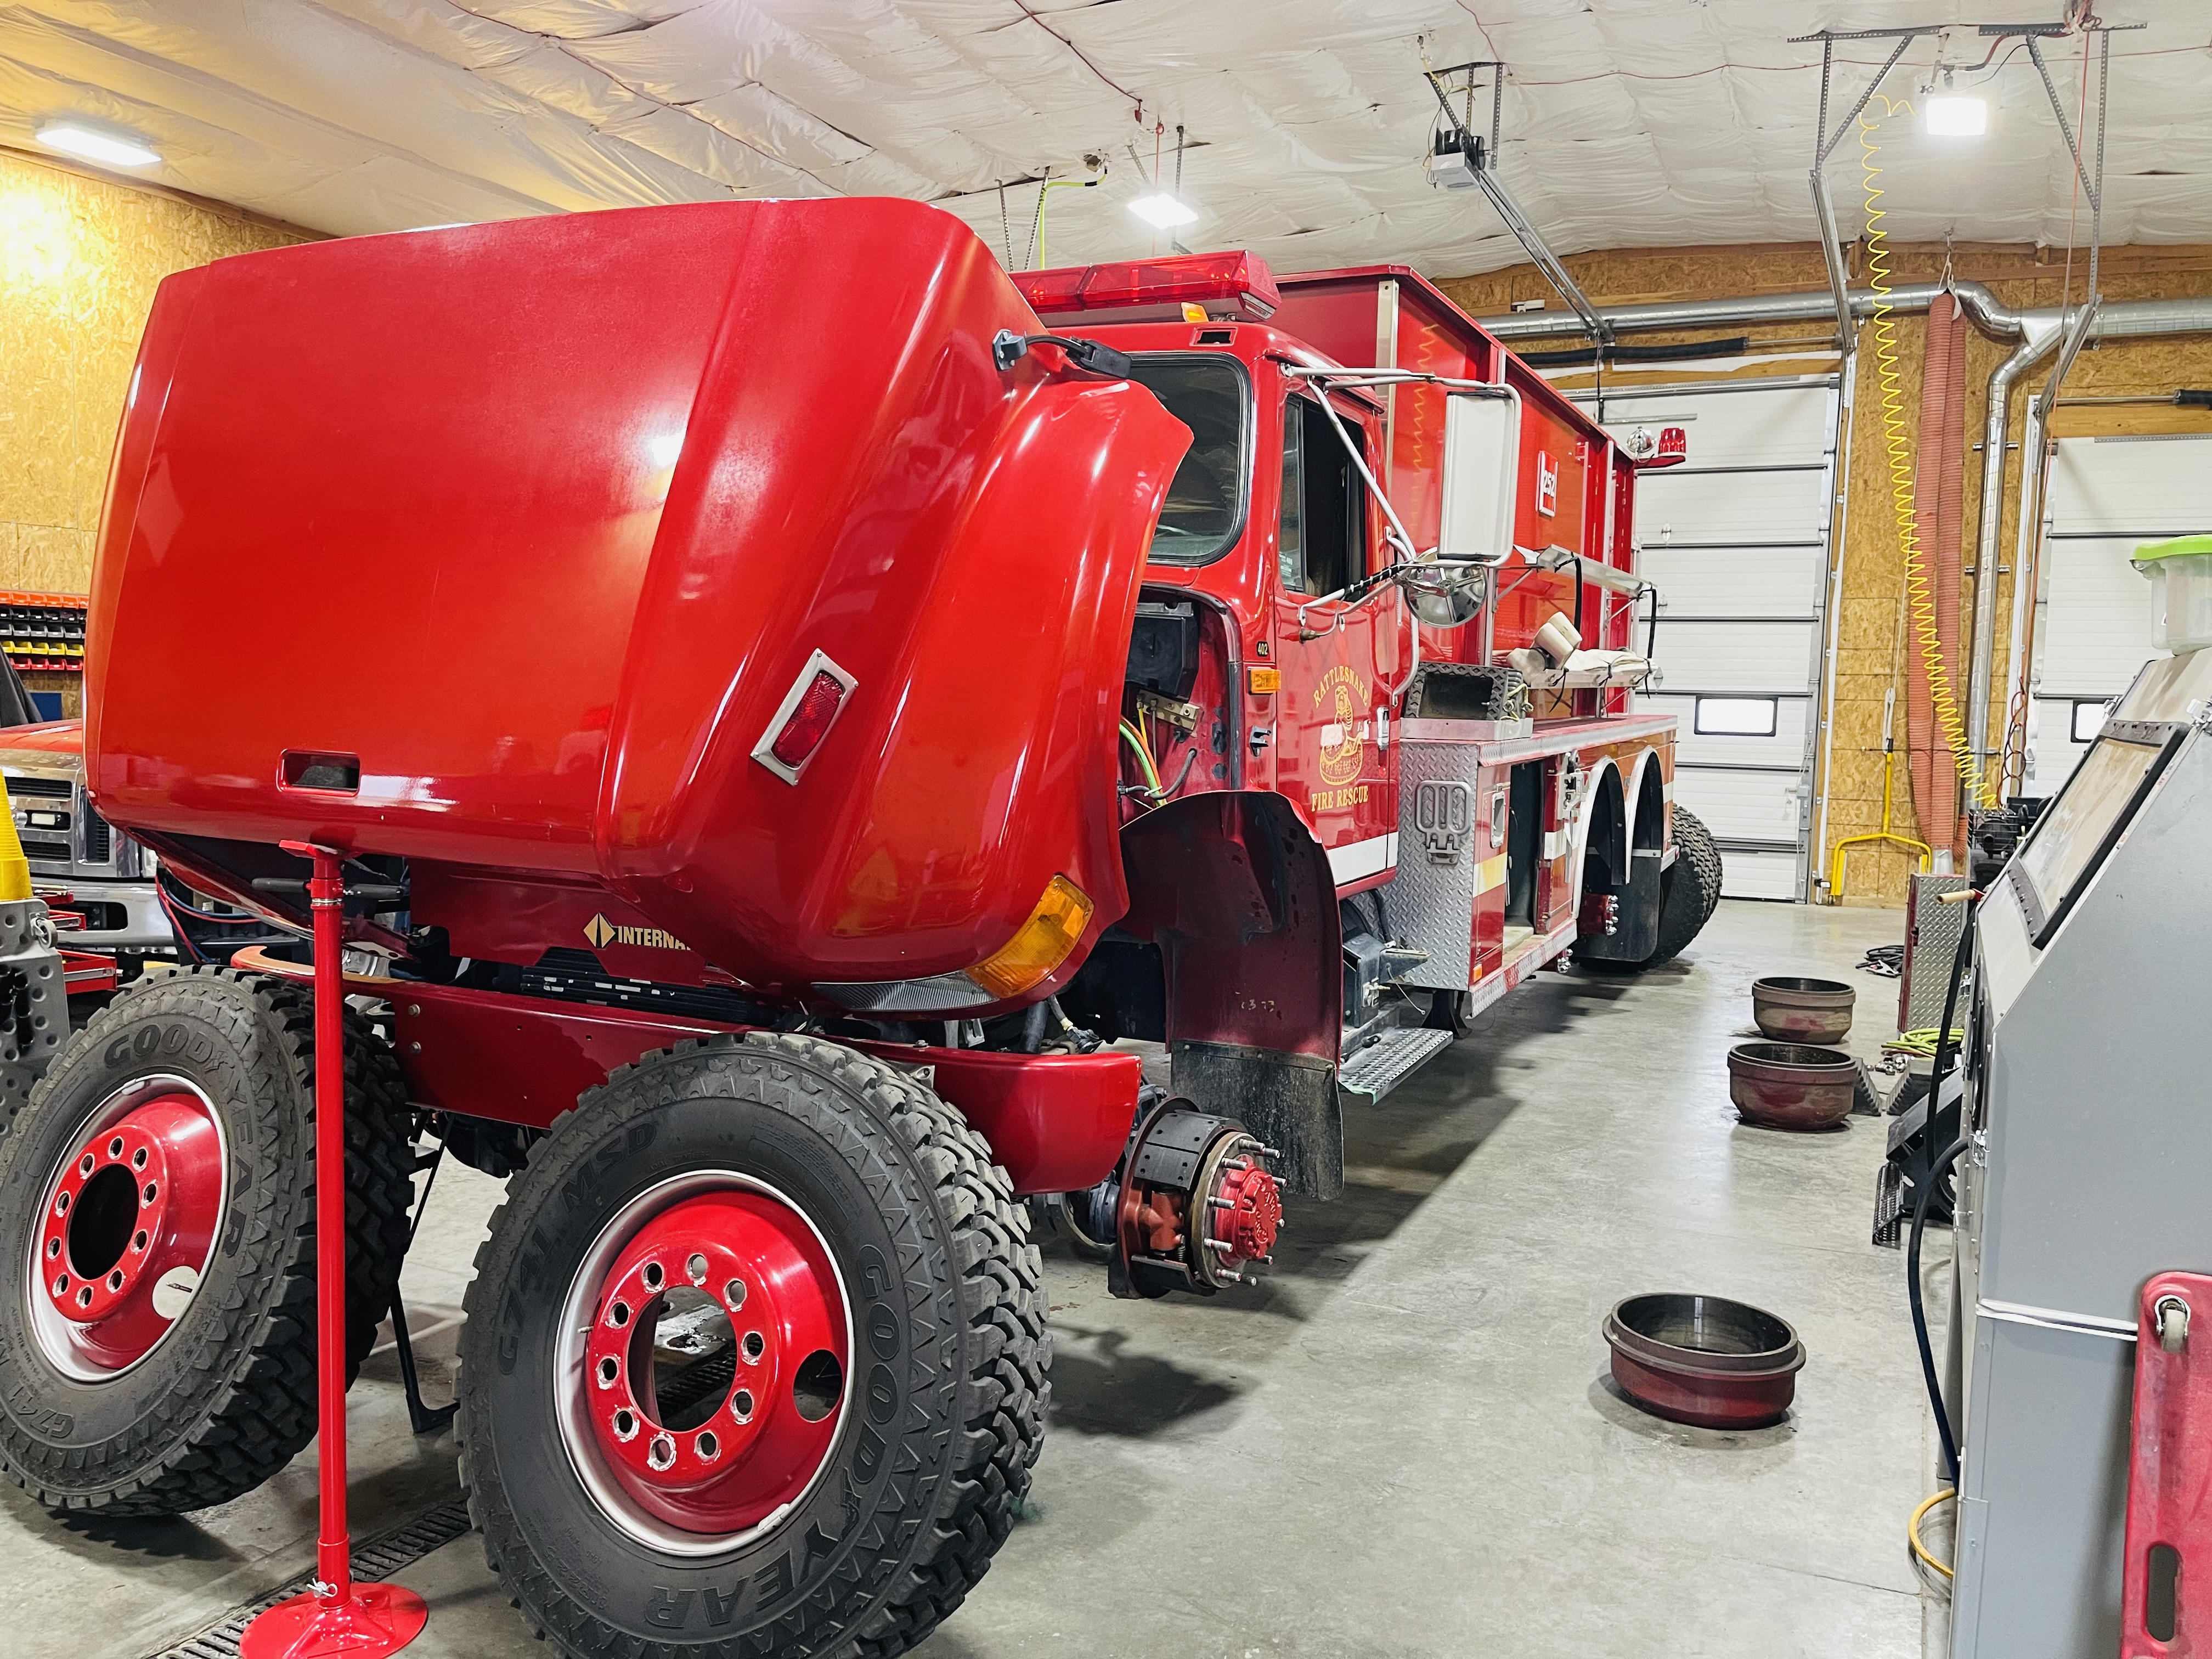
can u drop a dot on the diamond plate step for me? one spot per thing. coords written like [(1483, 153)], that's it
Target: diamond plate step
[(1390, 1059)]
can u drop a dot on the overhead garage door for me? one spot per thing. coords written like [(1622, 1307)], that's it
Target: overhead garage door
[(1737, 542), (2105, 497)]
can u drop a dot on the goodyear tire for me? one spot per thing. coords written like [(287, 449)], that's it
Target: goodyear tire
[(824, 1214), (1690, 889), (163, 1172)]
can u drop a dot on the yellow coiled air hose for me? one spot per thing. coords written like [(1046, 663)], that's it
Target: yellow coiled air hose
[(1920, 599)]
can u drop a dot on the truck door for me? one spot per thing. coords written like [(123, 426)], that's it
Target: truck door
[(1343, 664)]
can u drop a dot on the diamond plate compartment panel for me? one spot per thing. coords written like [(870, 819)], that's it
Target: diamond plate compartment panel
[(1432, 898), (1933, 934)]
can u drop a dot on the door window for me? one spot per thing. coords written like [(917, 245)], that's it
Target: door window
[(1323, 528)]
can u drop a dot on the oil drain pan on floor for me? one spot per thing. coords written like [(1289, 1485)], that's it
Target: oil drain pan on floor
[(1704, 1359)]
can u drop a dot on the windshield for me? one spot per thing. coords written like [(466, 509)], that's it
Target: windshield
[(1205, 508)]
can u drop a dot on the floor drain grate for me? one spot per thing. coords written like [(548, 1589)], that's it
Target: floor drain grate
[(379, 1558)]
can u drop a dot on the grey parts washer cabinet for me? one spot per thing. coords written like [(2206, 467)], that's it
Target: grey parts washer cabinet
[(2087, 1169)]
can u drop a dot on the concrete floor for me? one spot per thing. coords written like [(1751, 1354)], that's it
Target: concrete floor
[(1406, 1443)]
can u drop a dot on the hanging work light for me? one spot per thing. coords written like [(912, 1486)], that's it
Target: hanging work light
[(1955, 114), (1162, 210)]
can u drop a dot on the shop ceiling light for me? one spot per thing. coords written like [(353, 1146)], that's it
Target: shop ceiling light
[(114, 150), (1163, 211), (1957, 115)]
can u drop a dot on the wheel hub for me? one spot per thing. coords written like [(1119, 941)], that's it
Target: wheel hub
[(1247, 1209), (713, 1374), (126, 1230)]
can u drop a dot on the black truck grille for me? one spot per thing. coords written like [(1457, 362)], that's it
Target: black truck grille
[(98, 839)]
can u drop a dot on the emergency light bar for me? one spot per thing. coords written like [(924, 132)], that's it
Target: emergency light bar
[(1232, 286)]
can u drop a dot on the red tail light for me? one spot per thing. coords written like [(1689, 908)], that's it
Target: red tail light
[(809, 709)]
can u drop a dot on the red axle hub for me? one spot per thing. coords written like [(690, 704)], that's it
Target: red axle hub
[(1246, 1213), (1197, 1207), (127, 1228)]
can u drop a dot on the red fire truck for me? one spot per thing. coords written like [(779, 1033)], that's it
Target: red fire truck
[(791, 698)]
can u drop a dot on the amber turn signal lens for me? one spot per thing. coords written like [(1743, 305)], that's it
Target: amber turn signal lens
[(1263, 682), (1040, 946)]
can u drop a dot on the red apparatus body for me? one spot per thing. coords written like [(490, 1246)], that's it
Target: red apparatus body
[(736, 630)]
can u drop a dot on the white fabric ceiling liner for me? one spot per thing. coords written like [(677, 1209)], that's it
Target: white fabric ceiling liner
[(1627, 122)]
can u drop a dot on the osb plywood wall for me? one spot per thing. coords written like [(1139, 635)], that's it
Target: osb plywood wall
[(79, 260), (1873, 573)]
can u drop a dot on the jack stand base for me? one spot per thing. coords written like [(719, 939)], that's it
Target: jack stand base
[(374, 1620)]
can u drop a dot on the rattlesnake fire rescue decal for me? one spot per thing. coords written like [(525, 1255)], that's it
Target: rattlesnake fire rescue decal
[(1343, 694)]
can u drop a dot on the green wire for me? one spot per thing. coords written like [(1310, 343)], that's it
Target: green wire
[(1136, 739)]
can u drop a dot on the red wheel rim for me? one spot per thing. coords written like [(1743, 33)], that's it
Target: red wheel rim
[(128, 1223), (738, 1273)]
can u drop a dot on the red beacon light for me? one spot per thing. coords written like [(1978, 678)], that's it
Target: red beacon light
[(1670, 447), (1234, 286)]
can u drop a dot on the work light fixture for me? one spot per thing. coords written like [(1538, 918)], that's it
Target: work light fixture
[(1955, 114), (113, 149), (1162, 210)]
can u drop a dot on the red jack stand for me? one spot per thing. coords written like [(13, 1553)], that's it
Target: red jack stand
[(339, 1618)]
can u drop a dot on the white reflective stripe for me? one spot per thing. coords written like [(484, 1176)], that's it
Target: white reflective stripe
[(1555, 843), (2055, 1319), (1490, 873), (1357, 860), (1667, 790)]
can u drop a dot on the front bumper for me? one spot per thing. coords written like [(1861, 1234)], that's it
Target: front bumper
[(132, 922)]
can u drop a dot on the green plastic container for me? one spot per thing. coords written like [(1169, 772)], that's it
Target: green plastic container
[(2180, 572)]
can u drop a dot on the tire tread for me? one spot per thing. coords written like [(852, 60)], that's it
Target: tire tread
[(1005, 1354), (264, 1414)]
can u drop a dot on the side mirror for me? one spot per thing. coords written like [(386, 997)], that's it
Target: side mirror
[(1446, 594)]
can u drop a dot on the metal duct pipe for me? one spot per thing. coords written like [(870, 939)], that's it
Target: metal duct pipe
[(1987, 313), (2027, 543), (1997, 419)]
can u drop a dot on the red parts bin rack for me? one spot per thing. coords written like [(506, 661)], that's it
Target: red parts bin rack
[(42, 632)]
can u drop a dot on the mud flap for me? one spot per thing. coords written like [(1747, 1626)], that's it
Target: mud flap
[(1636, 917), (1288, 1100), (1239, 895)]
